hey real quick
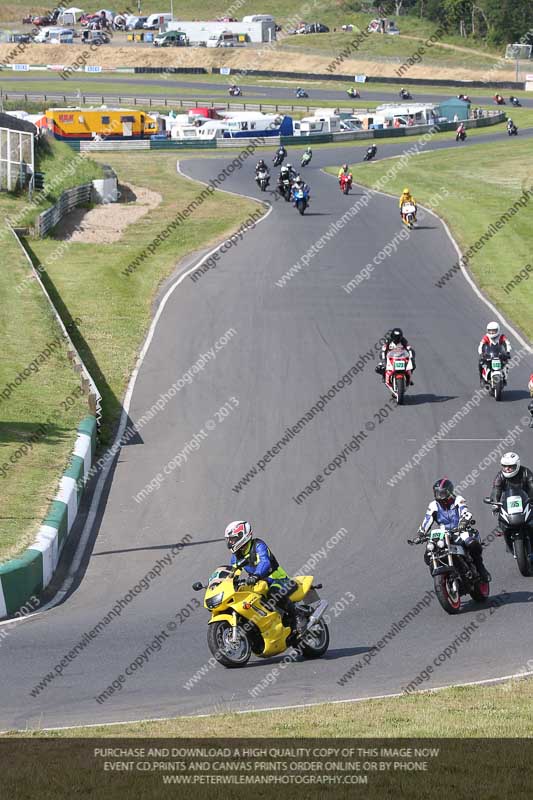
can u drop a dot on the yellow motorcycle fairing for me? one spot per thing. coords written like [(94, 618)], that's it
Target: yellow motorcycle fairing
[(249, 603)]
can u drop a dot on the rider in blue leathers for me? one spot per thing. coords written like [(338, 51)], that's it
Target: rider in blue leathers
[(261, 564), (449, 509)]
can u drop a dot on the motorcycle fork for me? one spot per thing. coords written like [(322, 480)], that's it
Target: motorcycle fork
[(234, 626)]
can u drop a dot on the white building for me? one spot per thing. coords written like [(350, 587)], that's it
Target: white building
[(260, 31)]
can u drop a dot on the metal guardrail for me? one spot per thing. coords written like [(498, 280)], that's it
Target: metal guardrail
[(68, 200)]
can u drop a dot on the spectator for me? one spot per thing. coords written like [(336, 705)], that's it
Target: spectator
[(411, 121), (455, 118), (397, 122)]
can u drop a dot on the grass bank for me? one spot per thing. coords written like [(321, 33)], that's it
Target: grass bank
[(483, 182), (37, 420)]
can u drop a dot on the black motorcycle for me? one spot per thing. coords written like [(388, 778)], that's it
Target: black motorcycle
[(493, 369), (515, 102), (405, 95), (515, 517), (370, 153), (284, 188), (279, 158), (452, 568), (512, 130)]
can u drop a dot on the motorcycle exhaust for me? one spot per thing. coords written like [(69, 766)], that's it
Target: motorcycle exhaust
[(317, 614)]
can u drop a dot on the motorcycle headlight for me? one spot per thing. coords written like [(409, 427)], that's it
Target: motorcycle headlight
[(441, 543), (430, 546), (214, 601)]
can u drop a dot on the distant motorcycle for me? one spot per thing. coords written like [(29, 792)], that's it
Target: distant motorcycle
[(493, 370), (353, 93), (452, 568), (345, 182), (284, 188), (370, 153), (516, 520), (515, 101), (464, 97), (405, 95), (263, 179), (301, 93), (460, 136), (398, 371), (306, 158), (279, 158), (498, 99), (409, 214), (512, 130), (234, 91)]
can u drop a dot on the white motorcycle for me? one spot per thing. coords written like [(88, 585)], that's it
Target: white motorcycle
[(409, 214), (494, 370), (398, 370)]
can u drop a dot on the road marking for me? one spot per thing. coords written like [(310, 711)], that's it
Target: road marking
[(504, 678)]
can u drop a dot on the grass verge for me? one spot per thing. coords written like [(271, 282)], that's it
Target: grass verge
[(503, 710), (480, 190), (37, 424)]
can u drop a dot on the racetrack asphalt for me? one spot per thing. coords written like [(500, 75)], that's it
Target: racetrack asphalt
[(292, 343)]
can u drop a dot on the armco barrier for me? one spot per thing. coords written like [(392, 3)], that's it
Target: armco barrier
[(32, 572), (68, 200)]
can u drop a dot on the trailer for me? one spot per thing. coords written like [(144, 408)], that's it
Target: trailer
[(263, 30), (72, 124)]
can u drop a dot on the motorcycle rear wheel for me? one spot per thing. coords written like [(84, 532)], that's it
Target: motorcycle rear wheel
[(449, 599), (522, 549), (316, 642), (226, 653)]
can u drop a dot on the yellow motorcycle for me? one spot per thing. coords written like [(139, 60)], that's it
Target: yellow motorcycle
[(244, 621)]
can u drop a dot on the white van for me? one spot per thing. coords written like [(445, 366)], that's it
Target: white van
[(156, 21), (54, 35), (258, 18)]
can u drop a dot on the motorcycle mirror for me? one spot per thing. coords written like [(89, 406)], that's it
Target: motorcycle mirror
[(197, 586), (488, 501)]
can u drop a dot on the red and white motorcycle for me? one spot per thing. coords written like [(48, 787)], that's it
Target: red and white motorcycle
[(398, 371)]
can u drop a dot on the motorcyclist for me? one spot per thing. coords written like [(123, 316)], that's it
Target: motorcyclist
[(406, 197), (449, 510), (261, 564), (280, 152), (283, 176), (371, 151), (513, 475), (394, 338), (292, 172), (261, 167), (460, 129), (300, 184), (344, 170), (510, 125), (491, 338), (307, 156), (530, 409)]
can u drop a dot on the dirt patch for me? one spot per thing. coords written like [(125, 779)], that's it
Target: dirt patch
[(106, 223), (239, 59)]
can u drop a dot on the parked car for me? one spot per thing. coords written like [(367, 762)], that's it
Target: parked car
[(135, 23), (170, 39), (94, 37), (156, 21)]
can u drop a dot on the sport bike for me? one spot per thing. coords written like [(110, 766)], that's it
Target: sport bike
[(370, 153), (301, 199), (398, 372), (460, 136), (493, 370), (244, 621), (306, 158), (516, 519), (409, 214), (452, 568), (285, 189), (278, 159), (263, 179), (345, 182)]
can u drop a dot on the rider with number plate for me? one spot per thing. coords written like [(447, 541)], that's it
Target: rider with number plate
[(492, 338), (512, 475), (449, 510), (261, 564), (407, 197), (394, 338)]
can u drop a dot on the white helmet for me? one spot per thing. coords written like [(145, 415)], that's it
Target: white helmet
[(510, 464), (237, 534), (493, 331)]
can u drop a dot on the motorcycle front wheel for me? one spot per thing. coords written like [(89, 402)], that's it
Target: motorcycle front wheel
[(447, 594), (498, 389), (522, 550), (400, 391), (301, 206), (316, 642), (228, 653)]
